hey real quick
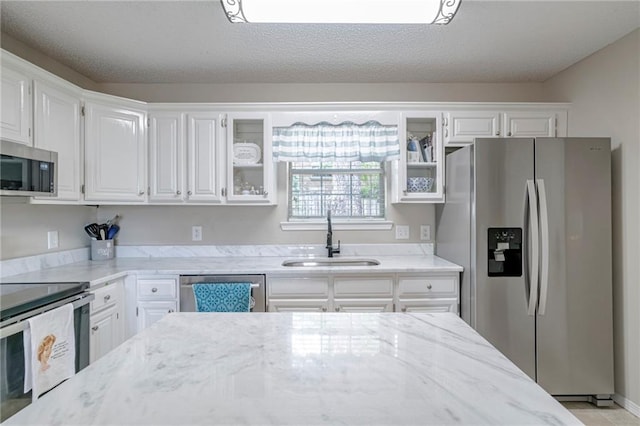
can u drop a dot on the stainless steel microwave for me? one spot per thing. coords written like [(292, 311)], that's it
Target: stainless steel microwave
[(27, 171)]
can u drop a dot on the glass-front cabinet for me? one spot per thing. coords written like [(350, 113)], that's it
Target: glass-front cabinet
[(419, 173), (250, 178)]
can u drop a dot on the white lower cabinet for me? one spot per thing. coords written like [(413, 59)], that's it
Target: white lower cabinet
[(363, 305), (150, 312), (428, 305), (156, 297), (432, 293), (104, 333), (298, 294), (436, 292), (107, 319), (298, 305)]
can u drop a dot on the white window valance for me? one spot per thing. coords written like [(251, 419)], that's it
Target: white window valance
[(346, 141)]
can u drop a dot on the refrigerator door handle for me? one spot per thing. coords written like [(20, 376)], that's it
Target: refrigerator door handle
[(535, 249), (544, 233)]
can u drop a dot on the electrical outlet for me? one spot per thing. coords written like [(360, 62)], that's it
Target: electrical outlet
[(196, 233), (402, 232), (425, 232), (52, 239)]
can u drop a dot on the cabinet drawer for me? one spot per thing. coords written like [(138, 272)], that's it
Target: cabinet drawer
[(427, 287), (363, 287), (160, 288), (298, 287), (104, 297), (429, 305)]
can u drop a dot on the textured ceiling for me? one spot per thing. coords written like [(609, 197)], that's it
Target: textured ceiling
[(192, 42)]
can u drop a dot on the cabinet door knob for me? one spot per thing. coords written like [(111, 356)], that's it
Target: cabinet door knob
[(154, 290), (189, 192), (338, 309), (324, 309), (140, 192), (95, 328), (509, 134), (429, 286), (403, 309), (178, 192), (498, 133), (170, 310), (107, 297), (265, 193)]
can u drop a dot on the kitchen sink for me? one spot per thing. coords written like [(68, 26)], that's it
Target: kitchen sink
[(330, 262)]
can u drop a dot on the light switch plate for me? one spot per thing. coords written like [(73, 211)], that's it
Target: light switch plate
[(402, 232), (425, 232), (196, 233), (52, 239)]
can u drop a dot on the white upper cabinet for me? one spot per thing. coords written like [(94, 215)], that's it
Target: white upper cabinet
[(115, 150), (185, 157), (15, 115), (204, 158), (166, 156), (250, 169), (462, 127), (529, 124), (57, 128), (418, 176)]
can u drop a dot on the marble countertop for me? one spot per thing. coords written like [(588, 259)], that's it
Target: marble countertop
[(99, 271), (300, 368)]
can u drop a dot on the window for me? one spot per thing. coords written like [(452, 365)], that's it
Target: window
[(351, 190)]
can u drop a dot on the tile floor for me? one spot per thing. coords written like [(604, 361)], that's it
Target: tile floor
[(591, 415)]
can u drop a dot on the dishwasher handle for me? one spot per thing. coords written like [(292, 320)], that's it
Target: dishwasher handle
[(188, 285)]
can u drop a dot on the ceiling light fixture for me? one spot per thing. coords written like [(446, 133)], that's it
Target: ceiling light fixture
[(341, 11)]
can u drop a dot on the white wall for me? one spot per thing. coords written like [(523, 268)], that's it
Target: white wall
[(604, 90), (158, 225), (408, 92), (24, 227)]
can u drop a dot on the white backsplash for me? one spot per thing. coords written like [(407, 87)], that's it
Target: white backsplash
[(272, 250), (22, 265), (49, 260)]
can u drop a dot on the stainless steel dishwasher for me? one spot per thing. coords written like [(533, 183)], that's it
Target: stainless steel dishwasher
[(258, 291)]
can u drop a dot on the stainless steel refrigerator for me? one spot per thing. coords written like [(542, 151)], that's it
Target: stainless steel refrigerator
[(530, 222)]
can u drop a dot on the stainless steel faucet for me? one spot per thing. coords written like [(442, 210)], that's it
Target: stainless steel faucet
[(330, 250)]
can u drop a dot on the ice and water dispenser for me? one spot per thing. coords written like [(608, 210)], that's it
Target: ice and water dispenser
[(505, 252)]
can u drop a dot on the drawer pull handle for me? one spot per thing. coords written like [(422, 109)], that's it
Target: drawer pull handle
[(95, 328), (429, 286), (107, 297), (154, 290)]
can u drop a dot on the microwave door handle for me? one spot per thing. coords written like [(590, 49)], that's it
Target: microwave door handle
[(532, 205), (544, 232)]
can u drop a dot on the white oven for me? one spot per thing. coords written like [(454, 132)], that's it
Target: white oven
[(20, 302)]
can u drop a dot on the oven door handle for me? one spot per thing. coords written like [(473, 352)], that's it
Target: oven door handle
[(22, 325)]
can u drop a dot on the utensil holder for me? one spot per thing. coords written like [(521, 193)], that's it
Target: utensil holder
[(102, 249)]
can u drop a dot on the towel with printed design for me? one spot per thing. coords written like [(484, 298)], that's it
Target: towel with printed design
[(222, 297)]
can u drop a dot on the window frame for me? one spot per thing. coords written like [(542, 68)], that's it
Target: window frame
[(338, 223)]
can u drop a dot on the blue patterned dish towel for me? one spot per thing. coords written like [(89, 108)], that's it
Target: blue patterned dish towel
[(222, 297)]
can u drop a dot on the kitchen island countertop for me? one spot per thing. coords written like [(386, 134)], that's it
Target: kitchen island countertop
[(300, 368)]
